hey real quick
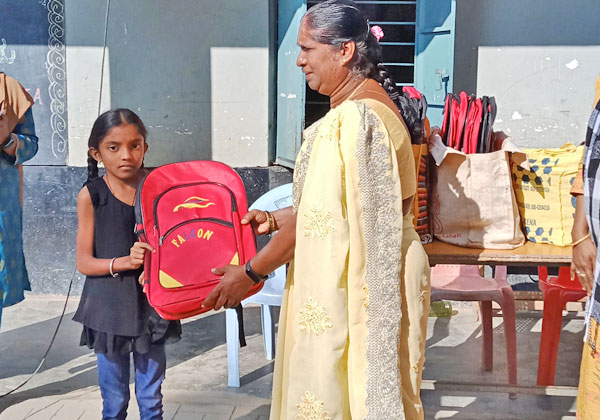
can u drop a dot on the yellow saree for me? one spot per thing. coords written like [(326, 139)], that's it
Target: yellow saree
[(354, 313)]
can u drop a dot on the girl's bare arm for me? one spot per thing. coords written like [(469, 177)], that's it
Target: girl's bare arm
[(86, 262)]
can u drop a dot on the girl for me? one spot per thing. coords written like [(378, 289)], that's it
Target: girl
[(115, 314)]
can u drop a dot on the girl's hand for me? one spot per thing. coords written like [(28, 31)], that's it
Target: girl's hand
[(136, 254), (259, 221), (142, 281), (582, 264)]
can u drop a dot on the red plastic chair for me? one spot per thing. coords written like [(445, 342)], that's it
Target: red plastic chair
[(465, 283), (557, 292)]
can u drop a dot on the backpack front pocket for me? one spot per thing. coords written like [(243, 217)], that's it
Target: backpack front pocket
[(184, 246)]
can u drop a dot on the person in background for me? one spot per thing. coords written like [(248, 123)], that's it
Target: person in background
[(354, 314), (18, 143), (584, 252), (585, 235)]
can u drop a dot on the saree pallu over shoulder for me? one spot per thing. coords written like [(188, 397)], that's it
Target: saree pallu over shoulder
[(309, 136), (340, 318), (381, 194)]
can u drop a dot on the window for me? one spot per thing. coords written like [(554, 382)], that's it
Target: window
[(398, 20), (418, 49)]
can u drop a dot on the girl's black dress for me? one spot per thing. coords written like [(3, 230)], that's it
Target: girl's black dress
[(114, 311)]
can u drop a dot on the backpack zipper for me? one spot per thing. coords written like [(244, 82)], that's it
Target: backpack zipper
[(207, 219), (157, 199)]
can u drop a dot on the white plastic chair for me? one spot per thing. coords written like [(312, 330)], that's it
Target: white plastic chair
[(269, 295)]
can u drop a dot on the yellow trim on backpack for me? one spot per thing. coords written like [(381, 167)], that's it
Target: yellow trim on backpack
[(167, 281)]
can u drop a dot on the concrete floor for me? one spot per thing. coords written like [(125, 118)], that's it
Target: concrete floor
[(454, 386)]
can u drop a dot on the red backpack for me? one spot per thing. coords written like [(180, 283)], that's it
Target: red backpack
[(190, 213)]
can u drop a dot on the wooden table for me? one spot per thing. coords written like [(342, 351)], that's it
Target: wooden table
[(530, 254)]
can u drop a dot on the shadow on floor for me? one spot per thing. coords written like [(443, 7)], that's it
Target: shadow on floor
[(454, 349), (22, 349), (472, 405)]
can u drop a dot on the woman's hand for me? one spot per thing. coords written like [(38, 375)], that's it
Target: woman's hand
[(136, 255), (582, 264), (231, 290), (12, 149), (584, 253), (259, 221), (235, 284)]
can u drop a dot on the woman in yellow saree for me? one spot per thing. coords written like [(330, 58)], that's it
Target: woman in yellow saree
[(353, 321)]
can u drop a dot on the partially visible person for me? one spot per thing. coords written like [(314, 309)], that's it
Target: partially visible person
[(584, 250), (117, 319), (353, 320), (18, 143), (586, 233)]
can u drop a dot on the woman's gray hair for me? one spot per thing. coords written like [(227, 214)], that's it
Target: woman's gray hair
[(334, 22)]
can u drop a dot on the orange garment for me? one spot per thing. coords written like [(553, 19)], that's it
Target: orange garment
[(577, 188), (14, 103)]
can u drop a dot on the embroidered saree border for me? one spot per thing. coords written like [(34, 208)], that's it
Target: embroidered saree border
[(309, 135), (383, 231), (383, 237)]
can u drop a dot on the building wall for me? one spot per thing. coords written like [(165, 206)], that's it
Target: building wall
[(196, 72), (50, 220), (539, 59)]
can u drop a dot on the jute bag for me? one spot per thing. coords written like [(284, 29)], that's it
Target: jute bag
[(543, 193), (473, 203)]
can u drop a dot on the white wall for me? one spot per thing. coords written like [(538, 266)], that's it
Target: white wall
[(197, 73), (545, 94), (235, 110), (539, 59)]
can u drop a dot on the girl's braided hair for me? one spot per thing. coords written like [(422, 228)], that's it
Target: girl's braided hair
[(103, 124)]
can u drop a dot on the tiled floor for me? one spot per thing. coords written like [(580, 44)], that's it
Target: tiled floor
[(454, 385)]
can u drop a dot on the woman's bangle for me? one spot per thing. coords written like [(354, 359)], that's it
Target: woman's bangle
[(110, 267), (271, 221), (580, 240), (9, 142)]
